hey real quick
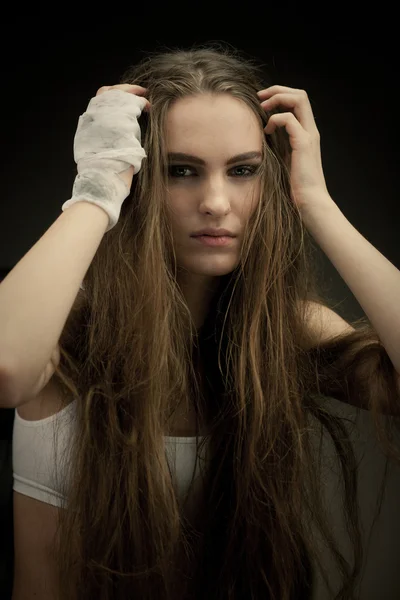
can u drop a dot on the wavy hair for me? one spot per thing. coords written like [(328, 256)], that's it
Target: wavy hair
[(130, 357)]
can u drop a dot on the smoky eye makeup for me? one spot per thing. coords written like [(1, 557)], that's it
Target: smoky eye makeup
[(246, 170)]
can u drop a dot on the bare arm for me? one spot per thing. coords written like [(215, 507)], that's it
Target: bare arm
[(37, 296)]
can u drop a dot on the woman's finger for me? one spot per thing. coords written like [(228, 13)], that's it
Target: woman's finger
[(137, 90)]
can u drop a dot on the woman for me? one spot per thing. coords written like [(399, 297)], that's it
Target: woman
[(180, 344)]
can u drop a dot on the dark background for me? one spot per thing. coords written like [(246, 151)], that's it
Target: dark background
[(344, 57)]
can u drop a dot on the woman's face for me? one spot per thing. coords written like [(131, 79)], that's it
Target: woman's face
[(217, 192)]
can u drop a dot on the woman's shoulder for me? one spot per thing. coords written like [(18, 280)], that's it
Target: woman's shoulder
[(49, 401)]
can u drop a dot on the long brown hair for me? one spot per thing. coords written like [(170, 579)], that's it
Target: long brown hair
[(128, 358)]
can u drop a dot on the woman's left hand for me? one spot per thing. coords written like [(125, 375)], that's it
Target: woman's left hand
[(308, 186)]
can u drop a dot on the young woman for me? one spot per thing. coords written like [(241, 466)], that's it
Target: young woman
[(165, 408)]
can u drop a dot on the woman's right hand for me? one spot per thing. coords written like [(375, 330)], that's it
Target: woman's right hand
[(136, 90), (107, 148)]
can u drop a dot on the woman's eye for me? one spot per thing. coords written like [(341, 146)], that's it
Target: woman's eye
[(250, 170), (172, 171)]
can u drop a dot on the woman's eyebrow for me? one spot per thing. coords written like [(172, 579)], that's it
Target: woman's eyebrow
[(200, 161)]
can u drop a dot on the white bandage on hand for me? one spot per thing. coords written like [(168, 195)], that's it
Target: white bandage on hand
[(107, 142)]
